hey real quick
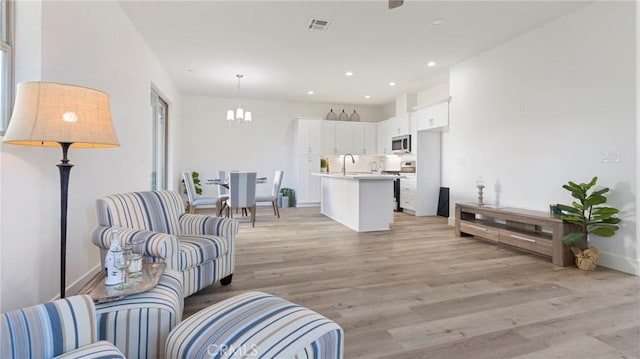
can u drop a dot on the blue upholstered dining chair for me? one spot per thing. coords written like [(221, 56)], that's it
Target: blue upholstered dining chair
[(195, 201), (275, 191), (242, 193), (223, 192)]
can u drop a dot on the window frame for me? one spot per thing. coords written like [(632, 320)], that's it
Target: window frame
[(7, 83)]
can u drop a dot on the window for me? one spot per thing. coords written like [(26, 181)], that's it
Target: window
[(6, 63), (159, 110)]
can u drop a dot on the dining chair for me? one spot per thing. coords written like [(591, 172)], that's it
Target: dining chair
[(275, 191), (242, 193), (193, 200), (223, 193)]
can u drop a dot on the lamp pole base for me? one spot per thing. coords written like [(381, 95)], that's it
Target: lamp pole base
[(65, 169)]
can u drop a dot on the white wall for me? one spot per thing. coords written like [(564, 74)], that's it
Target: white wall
[(537, 111), (90, 44), (209, 143), (433, 93)]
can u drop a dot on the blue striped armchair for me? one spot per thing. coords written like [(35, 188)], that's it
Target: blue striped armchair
[(64, 328), (201, 247), (135, 327)]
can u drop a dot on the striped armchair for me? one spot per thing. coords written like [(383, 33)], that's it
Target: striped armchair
[(201, 247), (139, 324), (65, 328)]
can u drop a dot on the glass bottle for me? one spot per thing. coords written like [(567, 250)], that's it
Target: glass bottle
[(113, 275)]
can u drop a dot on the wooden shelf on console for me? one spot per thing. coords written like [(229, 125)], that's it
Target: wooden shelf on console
[(534, 231)]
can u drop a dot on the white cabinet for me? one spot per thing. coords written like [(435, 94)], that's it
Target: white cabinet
[(364, 138), (307, 160), (383, 136), (344, 137), (369, 131), (316, 137), (307, 139), (408, 193), (428, 172), (434, 117), (308, 191), (339, 137), (328, 138), (400, 125), (386, 130)]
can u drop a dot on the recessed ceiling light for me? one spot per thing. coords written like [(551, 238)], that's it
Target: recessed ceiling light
[(437, 22), (367, 96), (392, 84), (310, 92), (189, 70), (348, 73), (431, 63)]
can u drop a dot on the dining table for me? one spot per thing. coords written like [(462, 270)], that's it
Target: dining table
[(225, 183)]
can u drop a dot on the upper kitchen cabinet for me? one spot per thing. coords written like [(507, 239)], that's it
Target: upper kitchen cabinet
[(364, 138), (307, 139), (386, 130), (328, 136), (383, 136), (400, 125), (434, 116), (339, 137)]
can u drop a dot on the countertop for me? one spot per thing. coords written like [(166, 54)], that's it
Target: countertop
[(358, 175)]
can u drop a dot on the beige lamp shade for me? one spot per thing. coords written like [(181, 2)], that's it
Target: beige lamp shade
[(46, 114)]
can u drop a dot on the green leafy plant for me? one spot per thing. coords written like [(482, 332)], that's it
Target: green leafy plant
[(289, 193), (323, 163), (588, 213), (196, 183)]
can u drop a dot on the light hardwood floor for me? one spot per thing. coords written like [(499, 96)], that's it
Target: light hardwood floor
[(418, 291)]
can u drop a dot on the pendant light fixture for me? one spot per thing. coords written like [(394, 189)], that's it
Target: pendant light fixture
[(239, 114)]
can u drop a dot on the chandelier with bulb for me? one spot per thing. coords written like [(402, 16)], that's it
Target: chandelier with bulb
[(239, 114)]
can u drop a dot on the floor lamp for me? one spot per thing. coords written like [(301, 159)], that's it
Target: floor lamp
[(52, 114)]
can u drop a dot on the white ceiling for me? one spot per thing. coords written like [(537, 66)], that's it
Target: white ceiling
[(204, 44)]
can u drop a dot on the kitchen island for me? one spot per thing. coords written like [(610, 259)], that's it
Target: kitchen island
[(360, 201)]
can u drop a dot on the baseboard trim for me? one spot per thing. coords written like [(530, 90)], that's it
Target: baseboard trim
[(619, 263), (77, 285), (308, 204)]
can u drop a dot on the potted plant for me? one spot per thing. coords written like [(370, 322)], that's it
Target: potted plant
[(323, 165), (589, 214)]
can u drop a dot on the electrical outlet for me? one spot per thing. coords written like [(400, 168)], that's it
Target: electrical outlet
[(609, 156)]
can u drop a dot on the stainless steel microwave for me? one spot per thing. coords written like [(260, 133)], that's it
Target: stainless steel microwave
[(401, 144)]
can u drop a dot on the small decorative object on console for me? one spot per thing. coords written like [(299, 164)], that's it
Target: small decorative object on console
[(480, 187)]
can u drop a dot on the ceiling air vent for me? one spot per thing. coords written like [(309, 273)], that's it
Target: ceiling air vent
[(321, 25)]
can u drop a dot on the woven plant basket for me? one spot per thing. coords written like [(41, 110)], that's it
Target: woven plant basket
[(586, 259)]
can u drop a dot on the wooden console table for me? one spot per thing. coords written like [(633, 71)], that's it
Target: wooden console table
[(533, 231)]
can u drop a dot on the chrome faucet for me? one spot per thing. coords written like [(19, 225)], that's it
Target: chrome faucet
[(344, 167)]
